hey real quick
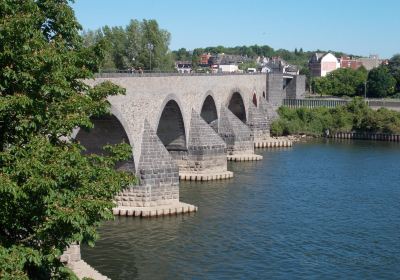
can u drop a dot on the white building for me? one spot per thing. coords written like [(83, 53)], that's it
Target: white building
[(183, 66), (321, 64), (228, 68)]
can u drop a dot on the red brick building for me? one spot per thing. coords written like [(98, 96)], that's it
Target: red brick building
[(349, 62), (204, 58)]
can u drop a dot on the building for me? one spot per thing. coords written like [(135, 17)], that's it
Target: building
[(204, 59), (228, 59), (369, 63), (321, 64), (273, 65), (349, 62), (183, 66), (291, 70), (228, 68), (277, 65)]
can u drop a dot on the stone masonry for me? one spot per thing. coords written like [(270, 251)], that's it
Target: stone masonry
[(296, 87), (157, 173), (207, 151), (205, 158), (268, 110), (147, 96), (258, 123), (141, 114), (275, 92), (237, 136)]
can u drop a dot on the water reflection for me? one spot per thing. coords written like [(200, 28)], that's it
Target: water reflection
[(325, 209)]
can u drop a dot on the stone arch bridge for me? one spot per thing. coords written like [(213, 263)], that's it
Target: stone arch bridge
[(185, 127)]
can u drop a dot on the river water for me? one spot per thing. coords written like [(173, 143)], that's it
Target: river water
[(320, 210)]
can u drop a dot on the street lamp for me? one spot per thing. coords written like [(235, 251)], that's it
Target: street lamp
[(150, 47)]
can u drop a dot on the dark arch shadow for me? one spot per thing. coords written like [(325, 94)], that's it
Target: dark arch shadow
[(171, 128), (236, 105), (107, 130), (209, 112), (255, 99)]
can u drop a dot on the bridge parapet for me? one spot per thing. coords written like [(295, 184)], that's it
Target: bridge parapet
[(125, 74)]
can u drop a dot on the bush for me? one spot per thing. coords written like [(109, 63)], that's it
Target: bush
[(355, 116)]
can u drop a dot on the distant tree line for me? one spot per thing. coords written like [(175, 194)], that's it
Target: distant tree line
[(134, 46), (380, 82), (356, 116), (297, 57)]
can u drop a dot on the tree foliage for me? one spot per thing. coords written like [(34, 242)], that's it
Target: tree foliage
[(127, 47), (394, 69), (380, 82), (50, 193), (246, 65), (354, 117), (342, 82)]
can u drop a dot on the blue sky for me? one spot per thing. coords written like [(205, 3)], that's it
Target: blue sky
[(360, 27)]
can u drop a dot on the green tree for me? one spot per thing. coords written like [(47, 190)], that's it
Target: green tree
[(182, 55), (127, 47), (355, 116), (251, 64), (161, 58), (380, 82), (394, 68), (50, 194), (133, 43), (342, 82)]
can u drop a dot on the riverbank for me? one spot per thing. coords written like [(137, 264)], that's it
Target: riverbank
[(355, 117)]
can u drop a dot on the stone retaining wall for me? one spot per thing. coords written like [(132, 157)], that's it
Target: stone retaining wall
[(72, 259), (366, 136)]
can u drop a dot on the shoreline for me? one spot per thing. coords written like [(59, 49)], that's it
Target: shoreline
[(386, 137)]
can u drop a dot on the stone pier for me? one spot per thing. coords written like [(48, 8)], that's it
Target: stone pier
[(258, 124), (237, 136), (206, 156), (158, 191), (268, 110)]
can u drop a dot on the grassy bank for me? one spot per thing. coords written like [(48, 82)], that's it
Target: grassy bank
[(354, 117)]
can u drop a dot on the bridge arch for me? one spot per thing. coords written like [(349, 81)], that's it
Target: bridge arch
[(107, 130), (236, 105), (209, 110), (171, 128)]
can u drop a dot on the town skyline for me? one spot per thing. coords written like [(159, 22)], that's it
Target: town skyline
[(346, 26)]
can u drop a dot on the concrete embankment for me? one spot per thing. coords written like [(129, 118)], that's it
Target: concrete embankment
[(366, 136), (72, 259), (274, 142)]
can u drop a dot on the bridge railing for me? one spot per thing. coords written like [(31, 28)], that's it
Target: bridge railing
[(384, 103), (332, 103), (126, 73), (312, 103)]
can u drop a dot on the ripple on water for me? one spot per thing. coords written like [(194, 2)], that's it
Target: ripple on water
[(326, 209)]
